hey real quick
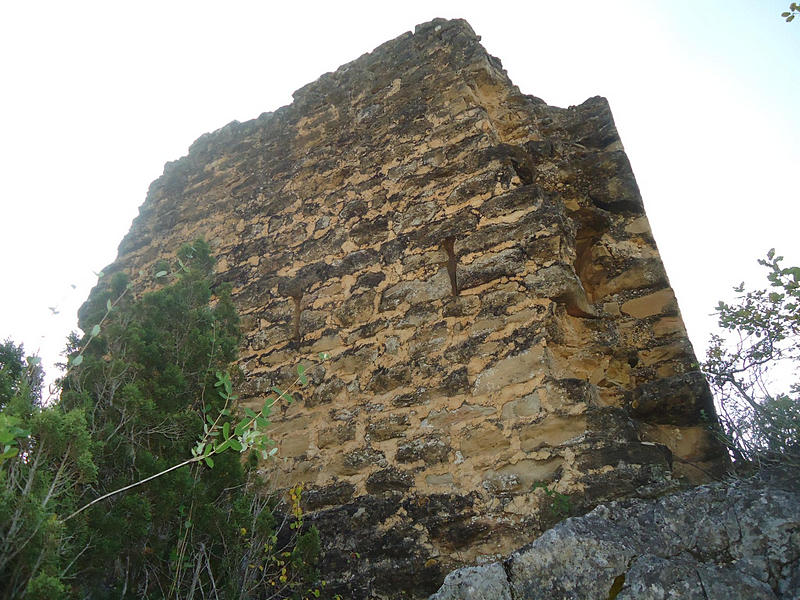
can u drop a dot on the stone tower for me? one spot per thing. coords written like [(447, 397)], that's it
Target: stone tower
[(480, 269)]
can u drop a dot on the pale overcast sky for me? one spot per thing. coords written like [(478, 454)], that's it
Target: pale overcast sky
[(96, 96)]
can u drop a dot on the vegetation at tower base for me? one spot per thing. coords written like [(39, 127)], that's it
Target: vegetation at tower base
[(761, 352), (134, 405)]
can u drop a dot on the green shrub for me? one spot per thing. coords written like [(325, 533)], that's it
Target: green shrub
[(759, 355)]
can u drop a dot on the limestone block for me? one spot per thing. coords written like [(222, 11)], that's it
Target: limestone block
[(393, 426), (678, 400), (521, 475), (336, 435), (553, 430), (466, 412), (356, 460), (527, 406), (491, 266), (483, 440), (415, 292), (390, 479), (335, 493), (512, 369), (560, 283), (430, 449), (356, 309), (657, 303)]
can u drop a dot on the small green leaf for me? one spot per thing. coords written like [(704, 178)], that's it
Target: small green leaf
[(226, 429), (250, 412), (241, 428), (303, 380), (273, 452), (300, 370), (223, 446), (262, 422), (95, 331), (209, 462), (235, 444), (108, 305), (161, 274), (77, 360), (277, 390)]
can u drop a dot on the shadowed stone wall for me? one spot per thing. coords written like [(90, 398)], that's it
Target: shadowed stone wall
[(480, 269)]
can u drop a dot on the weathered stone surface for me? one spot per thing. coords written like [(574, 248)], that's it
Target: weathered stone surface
[(734, 541), (513, 369), (431, 449), (678, 400), (561, 283), (336, 435), (390, 479), (551, 431), (392, 426), (336, 493), (657, 303), (485, 582), (479, 269)]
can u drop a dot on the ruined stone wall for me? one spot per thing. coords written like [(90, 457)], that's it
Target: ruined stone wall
[(480, 269)]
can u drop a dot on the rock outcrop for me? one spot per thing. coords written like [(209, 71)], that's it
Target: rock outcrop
[(480, 269), (737, 541)]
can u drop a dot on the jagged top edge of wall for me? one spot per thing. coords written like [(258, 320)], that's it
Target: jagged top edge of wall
[(210, 145)]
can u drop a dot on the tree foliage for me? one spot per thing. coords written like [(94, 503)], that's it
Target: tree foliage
[(753, 369), (794, 10), (147, 390)]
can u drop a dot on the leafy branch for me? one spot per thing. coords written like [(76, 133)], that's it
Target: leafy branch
[(761, 351), (10, 432), (221, 435)]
